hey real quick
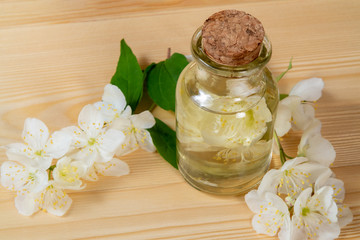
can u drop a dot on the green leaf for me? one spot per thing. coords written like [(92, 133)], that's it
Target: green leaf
[(283, 95), (129, 76), (164, 139), (282, 74), (162, 79)]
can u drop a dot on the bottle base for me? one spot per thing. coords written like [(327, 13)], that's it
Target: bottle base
[(211, 188)]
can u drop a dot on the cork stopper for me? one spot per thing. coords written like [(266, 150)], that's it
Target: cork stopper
[(232, 37)]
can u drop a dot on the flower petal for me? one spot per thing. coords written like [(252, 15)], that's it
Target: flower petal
[(13, 175), (309, 89), (79, 138), (282, 122), (144, 140), (297, 230), (270, 181), (126, 113), (58, 144), (113, 95), (122, 124), (143, 120), (129, 145), (303, 117), (91, 174), (35, 133), (253, 200), (55, 201), (26, 204), (91, 121), (115, 168), (110, 142), (336, 184), (329, 231), (302, 114), (285, 231), (345, 215), (313, 129), (87, 155), (320, 150), (324, 195), (19, 152), (272, 212), (42, 163), (301, 201)]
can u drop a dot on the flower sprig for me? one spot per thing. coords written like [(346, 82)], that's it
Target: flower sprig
[(43, 167), (82, 152), (302, 199)]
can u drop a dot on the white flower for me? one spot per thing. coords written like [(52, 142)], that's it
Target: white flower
[(314, 147), (113, 104), (293, 177), (271, 211), (68, 172), (24, 180), (243, 128), (52, 199), (135, 132), (294, 110), (95, 142), (344, 215), (114, 168), (38, 150), (118, 117), (301, 116), (315, 216)]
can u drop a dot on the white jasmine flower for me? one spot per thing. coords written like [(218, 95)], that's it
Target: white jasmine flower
[(314, 147), (301, 113), (39, 150), (344, 215), (244, 128), (271, 211), (315, 216), (24, 180), (113, 104), (95, 142), (135, 132), (114, 168), (68, 172), (52, 199), (292, 178)]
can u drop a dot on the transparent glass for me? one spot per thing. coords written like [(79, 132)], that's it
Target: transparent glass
[(225, 119)]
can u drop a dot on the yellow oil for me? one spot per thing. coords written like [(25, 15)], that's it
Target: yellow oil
[(223, 147)]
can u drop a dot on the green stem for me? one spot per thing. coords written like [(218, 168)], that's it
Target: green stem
[(283, 155), (51, 168), (283, 73)]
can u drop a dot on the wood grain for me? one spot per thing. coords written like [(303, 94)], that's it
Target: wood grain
[(56, 56)]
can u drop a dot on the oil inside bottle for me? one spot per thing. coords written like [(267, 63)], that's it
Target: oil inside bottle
[(224, 143)]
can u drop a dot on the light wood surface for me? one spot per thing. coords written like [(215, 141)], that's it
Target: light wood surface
[(56, 56)]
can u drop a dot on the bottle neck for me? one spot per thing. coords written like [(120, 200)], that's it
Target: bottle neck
[(232, 81)]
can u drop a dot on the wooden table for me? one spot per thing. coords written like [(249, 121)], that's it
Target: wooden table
[(56, 56)]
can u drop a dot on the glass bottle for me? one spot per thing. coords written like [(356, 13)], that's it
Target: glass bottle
[(225, 119)]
